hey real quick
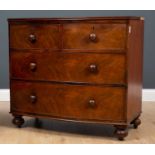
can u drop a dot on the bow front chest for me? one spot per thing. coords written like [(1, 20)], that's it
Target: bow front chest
[(77, 69)]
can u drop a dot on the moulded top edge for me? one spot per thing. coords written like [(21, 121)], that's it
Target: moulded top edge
[(75, 18)]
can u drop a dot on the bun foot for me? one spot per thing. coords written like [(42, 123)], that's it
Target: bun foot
[(136, 123), (18, 121), (121, 131)]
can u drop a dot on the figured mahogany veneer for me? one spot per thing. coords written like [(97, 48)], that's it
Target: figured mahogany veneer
[(35, 36), (77, 69), (69, 67), (69, 101), (94, 36)]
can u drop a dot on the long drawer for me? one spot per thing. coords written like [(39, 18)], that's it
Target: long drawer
[(68, 67), (68, 101)]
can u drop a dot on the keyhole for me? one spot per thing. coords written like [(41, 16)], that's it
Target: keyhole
[(93, 28)]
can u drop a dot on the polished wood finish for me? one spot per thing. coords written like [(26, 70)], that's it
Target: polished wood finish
[(136, 122), (34, 36), (94, 36), (69, 101), (135, 70), (69, 67), (121, 131), (77, 69), (18, 120), (115, 19)]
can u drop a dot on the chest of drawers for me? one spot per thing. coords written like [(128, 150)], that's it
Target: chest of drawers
[(83, 69)]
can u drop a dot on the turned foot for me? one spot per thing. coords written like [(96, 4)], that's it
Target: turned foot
[(121, 131), (136, 123), (18, 121)]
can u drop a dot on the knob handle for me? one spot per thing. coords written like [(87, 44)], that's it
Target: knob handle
[(92, 103), (33, 66), (32, 38), (93, 68), (33, 98), (92, 36)]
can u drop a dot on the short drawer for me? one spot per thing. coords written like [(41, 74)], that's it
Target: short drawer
[(68, 67), (68, 101), (94, 36), (34, 36)]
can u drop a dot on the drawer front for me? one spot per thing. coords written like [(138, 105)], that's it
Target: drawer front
[(34, 36), (69, 101), (89, 68), (94, 36)]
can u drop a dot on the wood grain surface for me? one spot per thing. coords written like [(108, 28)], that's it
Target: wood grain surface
[(69, 67), (69, 101)]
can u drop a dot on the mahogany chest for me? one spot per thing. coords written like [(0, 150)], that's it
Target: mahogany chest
[(77, 69)]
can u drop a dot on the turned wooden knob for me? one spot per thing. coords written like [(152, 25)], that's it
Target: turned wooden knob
[(33, 66), (32, 38), (92, 103), (92, 36), (93, 68), (33, 98)]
